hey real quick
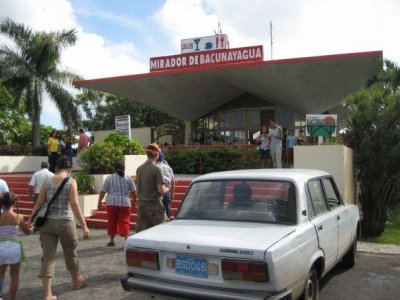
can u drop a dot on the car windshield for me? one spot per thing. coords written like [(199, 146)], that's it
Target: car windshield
[(240, 200)]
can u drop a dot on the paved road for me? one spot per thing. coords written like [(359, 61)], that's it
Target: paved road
[(375, 276)]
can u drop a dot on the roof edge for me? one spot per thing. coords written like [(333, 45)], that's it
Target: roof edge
[(81, 83)]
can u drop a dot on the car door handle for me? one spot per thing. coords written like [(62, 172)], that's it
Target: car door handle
[(320, 227)]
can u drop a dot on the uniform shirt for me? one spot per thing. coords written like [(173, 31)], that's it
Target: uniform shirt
[(39, 177), (3, 186), (167, 172), (53, 144), (148, 178), (117, 189)]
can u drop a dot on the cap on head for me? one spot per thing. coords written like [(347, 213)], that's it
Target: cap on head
[(81, 130), (160, 156)]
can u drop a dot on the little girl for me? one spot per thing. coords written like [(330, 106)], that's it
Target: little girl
[(11, 252)]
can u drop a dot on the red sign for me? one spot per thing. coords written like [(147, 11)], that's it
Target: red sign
[(207, 58)]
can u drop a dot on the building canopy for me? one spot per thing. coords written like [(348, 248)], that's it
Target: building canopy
[(304, 85)]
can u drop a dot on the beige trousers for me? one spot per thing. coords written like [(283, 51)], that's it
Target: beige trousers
[(50, 233)]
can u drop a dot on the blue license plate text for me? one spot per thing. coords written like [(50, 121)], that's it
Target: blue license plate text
[(190, 265)]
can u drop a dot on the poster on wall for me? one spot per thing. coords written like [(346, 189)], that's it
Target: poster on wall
[(123, 125), (321, 125)]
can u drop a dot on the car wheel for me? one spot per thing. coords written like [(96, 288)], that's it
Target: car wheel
[(311, 290), (349, 259)]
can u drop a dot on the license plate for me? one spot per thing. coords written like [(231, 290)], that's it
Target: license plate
[(192, 266)]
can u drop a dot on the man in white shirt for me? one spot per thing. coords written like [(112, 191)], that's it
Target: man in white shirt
[(37, 180), (169, 179), (276, 136)]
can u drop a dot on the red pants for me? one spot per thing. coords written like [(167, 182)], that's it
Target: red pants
[(119, 218)]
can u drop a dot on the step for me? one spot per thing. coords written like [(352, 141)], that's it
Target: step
[(17, 179), (24, 211), (24, 204), (100, 223), (181, 189), (19, 191), (179, 196), (23, 185)]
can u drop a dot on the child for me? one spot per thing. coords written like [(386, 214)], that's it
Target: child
[(10, 247)]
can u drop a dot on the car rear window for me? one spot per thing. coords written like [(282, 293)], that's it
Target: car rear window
[(240, 200)]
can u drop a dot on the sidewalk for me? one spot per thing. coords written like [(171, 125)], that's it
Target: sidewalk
[(378, 248)]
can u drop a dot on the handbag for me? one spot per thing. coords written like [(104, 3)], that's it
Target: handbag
[(40, 216)]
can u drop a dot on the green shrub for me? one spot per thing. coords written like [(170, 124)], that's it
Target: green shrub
[(101, 158), (206, 160), (85, 183), (129, 147)]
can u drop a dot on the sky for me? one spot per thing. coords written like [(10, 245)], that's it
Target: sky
[(119, 37)]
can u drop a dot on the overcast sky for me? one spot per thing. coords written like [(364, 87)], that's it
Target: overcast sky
[(118, 37)]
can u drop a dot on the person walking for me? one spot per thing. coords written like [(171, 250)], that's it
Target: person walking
[(291, 141), (53, 149), (276, 136), (118, 186), (68, 147), (11, 251), (169, 179), (264, 151), (38, 178), (150, 184), (60, 226), (84, 140)]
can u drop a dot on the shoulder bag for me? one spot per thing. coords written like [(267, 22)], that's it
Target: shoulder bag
[(40, 215)]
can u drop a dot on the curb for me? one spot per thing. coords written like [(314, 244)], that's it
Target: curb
[(378, 248)]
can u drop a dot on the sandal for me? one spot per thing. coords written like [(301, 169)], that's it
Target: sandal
[(81, 281), (110, 244)]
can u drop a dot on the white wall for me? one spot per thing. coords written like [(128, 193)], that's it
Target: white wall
[(334, 159), (11, 164), (142, 135)]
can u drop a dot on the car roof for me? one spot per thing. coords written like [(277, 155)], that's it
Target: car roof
[(264, 174)]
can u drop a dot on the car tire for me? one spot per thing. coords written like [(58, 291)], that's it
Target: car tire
[(311, 289), (349, 259)]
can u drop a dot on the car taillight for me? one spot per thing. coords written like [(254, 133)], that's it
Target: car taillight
[(142, 258), (244, 270)]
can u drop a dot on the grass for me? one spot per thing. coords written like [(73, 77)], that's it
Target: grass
[(391, 235)]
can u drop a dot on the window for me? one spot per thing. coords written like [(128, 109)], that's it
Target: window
[(241, 200), (317, 196), (331, 192)]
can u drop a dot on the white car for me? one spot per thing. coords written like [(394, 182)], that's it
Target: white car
[(247, 234)]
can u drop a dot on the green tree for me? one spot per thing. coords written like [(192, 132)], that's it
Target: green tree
[(374, 134), (30, 69), (13, 124), (101, 109)]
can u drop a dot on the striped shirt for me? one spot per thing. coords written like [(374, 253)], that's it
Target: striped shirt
[(117, 189)]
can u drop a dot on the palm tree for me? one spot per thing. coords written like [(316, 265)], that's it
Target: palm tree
[(30, 69), (374, 135)]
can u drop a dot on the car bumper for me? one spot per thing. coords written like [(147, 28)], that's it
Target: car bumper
[(129, 283)]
